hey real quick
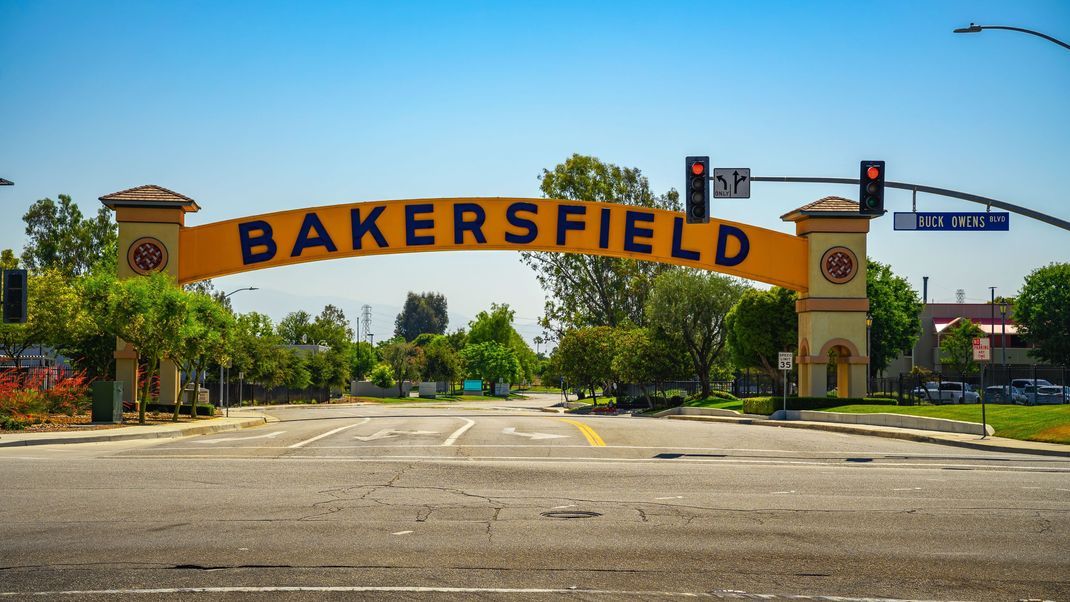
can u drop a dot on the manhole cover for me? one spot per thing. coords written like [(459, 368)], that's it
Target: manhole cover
[(570, 514)]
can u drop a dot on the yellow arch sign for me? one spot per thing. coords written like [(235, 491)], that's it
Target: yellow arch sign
[(517, 224)]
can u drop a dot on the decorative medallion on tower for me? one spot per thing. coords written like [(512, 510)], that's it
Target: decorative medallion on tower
[(839, 265), (147, 255)]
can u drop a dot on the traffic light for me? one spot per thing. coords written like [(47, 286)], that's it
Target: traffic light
[(697, 190), (14, 284), (871, 188)]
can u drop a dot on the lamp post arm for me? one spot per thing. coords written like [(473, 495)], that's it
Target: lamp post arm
[(1029, 31), (1048, 219)]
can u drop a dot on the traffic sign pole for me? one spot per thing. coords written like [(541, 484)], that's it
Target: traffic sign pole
[(784, 359)]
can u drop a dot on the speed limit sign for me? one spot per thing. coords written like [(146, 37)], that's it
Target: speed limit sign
[(784, 360)]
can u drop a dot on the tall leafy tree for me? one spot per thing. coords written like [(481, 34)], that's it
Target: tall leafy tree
[(440, 363), (956, 347), (205, 337), (61, 238), (295, 328), (760, 325), (895, 307), (491, 361), (1042, 312), (147, 312), (643, 358), (496, 326), (362, 358), (423, 313), (404, 360), (8, 260), (587, 357), (588, 290), (690, 307)]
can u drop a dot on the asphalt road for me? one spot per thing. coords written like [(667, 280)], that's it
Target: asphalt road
[(500, 501)]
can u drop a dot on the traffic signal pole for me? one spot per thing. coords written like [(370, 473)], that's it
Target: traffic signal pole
[(965, 196)]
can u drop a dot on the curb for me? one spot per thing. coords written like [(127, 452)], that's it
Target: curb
[(881, 432), (170, 433)]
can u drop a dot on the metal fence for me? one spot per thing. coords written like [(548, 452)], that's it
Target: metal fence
[(915, 387), (38, 377), (254, 394)]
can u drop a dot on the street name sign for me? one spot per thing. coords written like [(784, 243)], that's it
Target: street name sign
[(959, 222), (982, 350), (731, 182), (784, 359)]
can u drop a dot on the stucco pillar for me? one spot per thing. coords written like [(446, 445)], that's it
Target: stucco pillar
[(149, 219), (832, 313)]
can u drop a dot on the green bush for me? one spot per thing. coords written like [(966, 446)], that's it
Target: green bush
[(722, 395), (382, 376), (768, 405)]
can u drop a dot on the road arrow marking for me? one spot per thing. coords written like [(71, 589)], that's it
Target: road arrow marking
[(267, 436), (533, 436), (390, 434)]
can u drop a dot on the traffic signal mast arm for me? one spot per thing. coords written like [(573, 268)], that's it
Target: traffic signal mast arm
[(965, 196)]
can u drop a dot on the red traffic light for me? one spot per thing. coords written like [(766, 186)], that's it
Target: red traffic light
[(873, 172), (697, 168)]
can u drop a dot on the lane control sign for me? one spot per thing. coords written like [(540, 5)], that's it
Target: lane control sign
[(731, 182)]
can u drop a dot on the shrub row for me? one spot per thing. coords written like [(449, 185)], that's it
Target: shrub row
[(768, 405), (167, 408)]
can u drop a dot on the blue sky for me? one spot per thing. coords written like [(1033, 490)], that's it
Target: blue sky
[(250, 107)]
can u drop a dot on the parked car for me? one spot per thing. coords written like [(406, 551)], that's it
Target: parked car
[(1022, 383), (1044, 395), (1005, 394), (948, 392)]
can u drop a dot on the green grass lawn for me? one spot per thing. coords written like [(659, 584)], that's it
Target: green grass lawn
[(716, 402), (1050, 424)]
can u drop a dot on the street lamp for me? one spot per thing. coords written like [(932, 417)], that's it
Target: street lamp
[(977, 29), (1003, 337), (248, 288), (869, 366)]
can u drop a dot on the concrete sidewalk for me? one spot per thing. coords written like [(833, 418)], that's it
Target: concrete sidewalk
[(973, 441), (236, 421)]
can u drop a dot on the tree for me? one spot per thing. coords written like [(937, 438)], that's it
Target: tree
[(423, 313), (589, 290), (587, 357), (441, 362), (53, 312), (491, 361), (643, 358), (255, 347), (404, 361), (760, 325), (8, 261), (362, 358), (148, 313), (956, 347), (689, 307), (1043, 313), (62, 239), (895, 307), (497, 326), (205, 337), (295, 328), (332, 327)]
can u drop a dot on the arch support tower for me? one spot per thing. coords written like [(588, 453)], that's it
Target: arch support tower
[(832, 313), (149, 219)]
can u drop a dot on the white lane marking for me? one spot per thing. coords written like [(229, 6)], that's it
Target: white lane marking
[(329, 433), (671, 497), (213, 441), (907, 489), (777, 492), (391, 434), (1057, 489), (455, 435), (533, 436), (562, 507), (720, 594), (402, 533)]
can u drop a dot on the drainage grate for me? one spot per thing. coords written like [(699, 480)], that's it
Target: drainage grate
[(570, 514)]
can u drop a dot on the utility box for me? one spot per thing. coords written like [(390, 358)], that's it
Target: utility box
[(108, 401)]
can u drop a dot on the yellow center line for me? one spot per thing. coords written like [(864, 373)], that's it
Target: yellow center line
[(588, 432)]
